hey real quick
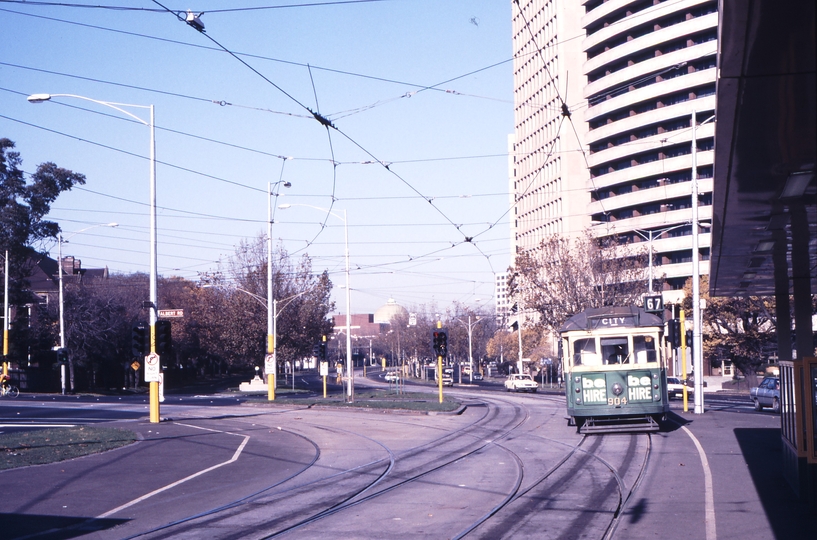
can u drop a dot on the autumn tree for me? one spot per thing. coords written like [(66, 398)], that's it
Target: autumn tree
[(740, 329), (235, 310), (565, 276)]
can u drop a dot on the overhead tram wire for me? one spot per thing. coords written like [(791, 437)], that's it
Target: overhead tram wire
[(226, 10), (132, 154), (420, 87), (328, 124), (566, 113)]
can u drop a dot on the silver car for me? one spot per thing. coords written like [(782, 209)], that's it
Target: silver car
[(766, 394)]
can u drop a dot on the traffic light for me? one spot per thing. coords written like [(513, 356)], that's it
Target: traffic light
[(316, 350), (62, 356), (690, 348), (674, 333), (439, 340), (138, 341), (163, 339), (322, 348)]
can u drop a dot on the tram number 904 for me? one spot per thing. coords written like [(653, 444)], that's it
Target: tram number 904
[(614, 401)]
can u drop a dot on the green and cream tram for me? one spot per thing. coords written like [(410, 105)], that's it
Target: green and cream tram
[(614, 369)]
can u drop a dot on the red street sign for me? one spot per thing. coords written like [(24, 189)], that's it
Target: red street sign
[(171, 313)]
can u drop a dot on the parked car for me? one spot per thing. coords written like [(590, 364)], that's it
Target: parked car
[(392, 376), (520, 383), (675, 387), (766, 394), (477, 376)]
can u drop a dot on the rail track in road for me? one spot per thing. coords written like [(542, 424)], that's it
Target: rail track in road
[(508, 467)]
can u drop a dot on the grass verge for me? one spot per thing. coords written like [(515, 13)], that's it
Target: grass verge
[(379, 399), (41, 446)]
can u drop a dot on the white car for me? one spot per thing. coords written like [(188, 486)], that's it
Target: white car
[(675, 387), (521, 383), (392, 376)]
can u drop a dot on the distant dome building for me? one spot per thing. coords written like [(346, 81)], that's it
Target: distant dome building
[(385, 313)]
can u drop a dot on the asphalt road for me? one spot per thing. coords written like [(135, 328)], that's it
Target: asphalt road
[(508, 466)]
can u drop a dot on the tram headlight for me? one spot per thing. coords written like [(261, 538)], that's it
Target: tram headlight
[(657, 397), (617, 389), (578, 401)]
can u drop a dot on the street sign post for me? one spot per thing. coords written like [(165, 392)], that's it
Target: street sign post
[(269, 364), (152, 368)]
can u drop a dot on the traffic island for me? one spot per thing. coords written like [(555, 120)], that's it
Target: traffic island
[(418, 402), (41, 446)]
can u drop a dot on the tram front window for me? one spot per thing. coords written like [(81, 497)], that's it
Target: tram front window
[(644, 349), (614, 350), (584, 353)]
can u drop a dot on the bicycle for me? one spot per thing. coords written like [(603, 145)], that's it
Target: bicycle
[(9, 391)]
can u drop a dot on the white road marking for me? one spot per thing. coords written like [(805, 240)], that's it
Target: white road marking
[(183, 480), (709, 498)]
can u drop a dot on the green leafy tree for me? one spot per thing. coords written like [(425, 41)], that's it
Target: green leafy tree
[(24, 204)]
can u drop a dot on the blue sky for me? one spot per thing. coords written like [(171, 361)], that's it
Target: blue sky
[(418, 170)]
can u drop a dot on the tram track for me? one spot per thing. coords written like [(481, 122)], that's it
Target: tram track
[(413, 467), (507, 467)]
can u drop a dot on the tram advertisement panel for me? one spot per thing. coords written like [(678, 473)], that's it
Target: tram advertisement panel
[(638, 385)]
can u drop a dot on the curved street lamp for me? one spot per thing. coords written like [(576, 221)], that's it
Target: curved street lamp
[(40, 98), (350, 395), (271, 316)]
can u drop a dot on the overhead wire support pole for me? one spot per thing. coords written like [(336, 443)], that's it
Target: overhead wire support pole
[(697, 344), (153, 301), (6, 318)]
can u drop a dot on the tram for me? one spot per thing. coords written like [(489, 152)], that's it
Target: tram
[(614, 369)]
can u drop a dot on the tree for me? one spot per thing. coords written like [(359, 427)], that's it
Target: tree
[(23, 207), (234, 311), (739, 329), (563, 277)]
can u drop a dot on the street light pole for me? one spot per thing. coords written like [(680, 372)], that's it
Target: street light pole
[(271, 315), (649, 239), (697, 344), (61, 270), (6, 319), (350, 396), (470, 349), (153, 301)]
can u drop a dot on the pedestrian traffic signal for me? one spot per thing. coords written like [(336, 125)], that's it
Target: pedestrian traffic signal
[(163, 339), (62, 356), (439, 340), (138, 341)]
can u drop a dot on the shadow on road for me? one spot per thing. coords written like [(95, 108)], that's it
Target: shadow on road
[(788, 516), (52, 527)]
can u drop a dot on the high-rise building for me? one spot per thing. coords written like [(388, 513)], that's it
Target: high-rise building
[(502, 297), (605, 92)]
